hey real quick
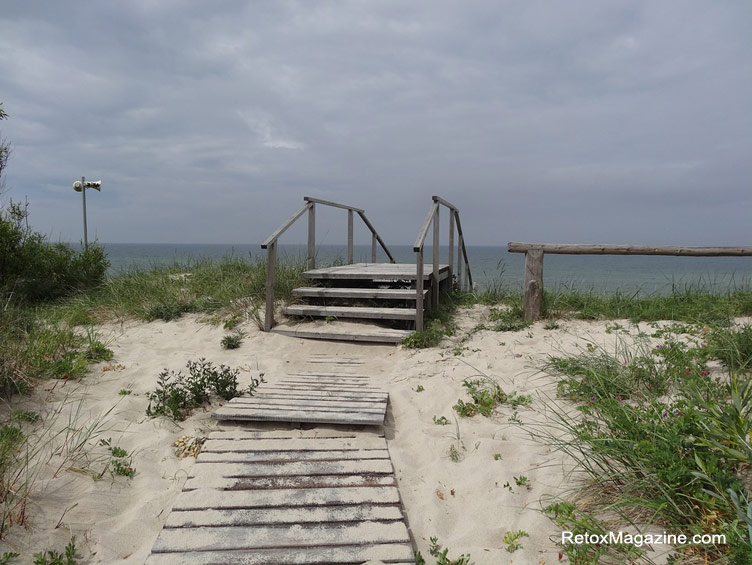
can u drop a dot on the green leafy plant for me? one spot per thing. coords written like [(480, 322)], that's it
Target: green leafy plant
[(177, 395), (419, 388), (512, 540), (233, 340), (440, 421), (441, 555), (51, 557)]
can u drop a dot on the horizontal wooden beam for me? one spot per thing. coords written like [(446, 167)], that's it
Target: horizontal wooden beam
[(449, 205), (586, 249), (334, 204)]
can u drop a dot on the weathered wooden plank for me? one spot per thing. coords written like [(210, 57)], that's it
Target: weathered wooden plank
[(289, 435), (350, 383), (274, 456), (258, 537), (366, 335), (277, 483), (211, 498), (355, 393), (587, 249), (326, 374), (291, 468), (314, 443), (283, 228), (262, 408), (360, 293), (396, 553), (351, 312), (304, 515), (303, 417), (327, 387), (375, 398), (306, 402), (372, 271)]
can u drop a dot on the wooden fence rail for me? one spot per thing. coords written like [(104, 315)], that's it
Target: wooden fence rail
[(533, 280)]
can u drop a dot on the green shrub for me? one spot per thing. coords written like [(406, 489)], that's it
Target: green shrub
[(177, 394), (34, 270)]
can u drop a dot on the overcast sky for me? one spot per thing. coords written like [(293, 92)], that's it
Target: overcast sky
[(586, 122)]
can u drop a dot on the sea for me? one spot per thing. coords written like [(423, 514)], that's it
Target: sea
[(491, 267)]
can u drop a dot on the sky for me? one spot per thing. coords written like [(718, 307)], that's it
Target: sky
[(566, 122)]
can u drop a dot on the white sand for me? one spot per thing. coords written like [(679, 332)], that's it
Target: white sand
[(465, 503)]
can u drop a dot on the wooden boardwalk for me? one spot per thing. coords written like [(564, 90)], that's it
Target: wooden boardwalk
[(290, 497), (316, 496), (310, 397)]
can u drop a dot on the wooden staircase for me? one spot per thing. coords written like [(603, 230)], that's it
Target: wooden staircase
[(382, 292), (376, 302)]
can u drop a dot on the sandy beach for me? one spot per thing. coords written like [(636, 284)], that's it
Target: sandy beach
[(467, 504)]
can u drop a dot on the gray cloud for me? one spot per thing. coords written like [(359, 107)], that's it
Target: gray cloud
[(613, 122)]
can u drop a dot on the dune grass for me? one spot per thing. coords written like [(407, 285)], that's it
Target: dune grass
[(662, 443)]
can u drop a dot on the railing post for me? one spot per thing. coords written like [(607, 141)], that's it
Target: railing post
[(435, 282), (451, 246), (312, 236), (460, 242), (271, 266), (533, 286), (349, 237), (374, 242), (419, 291)]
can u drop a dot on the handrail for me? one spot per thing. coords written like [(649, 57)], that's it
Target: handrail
[(270, 244), (433, 218), (283, 228), (333, 204), (534, 252), (424, 228)]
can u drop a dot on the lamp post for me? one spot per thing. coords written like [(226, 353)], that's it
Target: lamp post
[(81, 186)]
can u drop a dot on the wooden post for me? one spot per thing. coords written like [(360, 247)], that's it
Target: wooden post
[(435, 281), (271, 265), (349, 237), (459, 261), (312, 236), (533, 286), (419, 291), (374, 242), (451, 248)]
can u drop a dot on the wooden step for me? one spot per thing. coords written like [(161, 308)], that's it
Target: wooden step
[(376, 272), (342, 331), (362, 293), (351, 312)]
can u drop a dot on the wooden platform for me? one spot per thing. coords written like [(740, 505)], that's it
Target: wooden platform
[(290, 497), (377, 271), (312, 397)]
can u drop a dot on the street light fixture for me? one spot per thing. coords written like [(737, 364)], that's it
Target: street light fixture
[(81, 186)]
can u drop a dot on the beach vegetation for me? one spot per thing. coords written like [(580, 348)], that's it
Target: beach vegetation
[(177, 395), (485, 396), (52, 557), (440, 420), (513, 540), (441, 554), (232, 340), (662, 439)]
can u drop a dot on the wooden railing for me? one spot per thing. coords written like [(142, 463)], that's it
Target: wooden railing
[(310, 206), (433, 218), (533, 280)]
